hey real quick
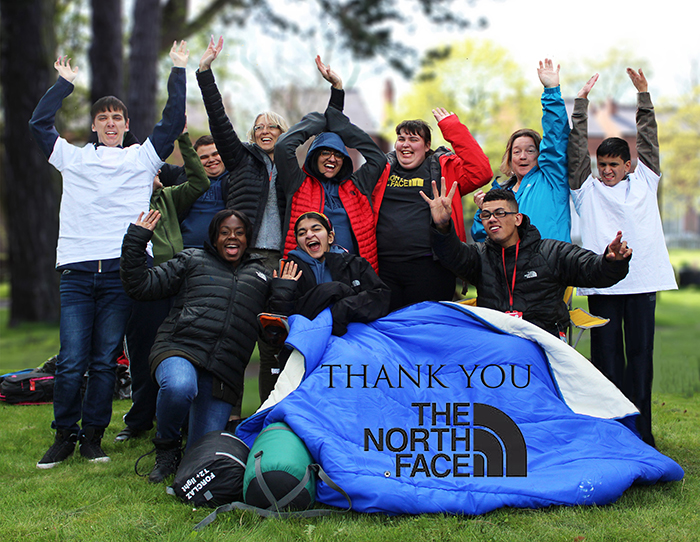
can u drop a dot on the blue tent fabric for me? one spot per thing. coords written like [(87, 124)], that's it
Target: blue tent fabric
[(440, 408)]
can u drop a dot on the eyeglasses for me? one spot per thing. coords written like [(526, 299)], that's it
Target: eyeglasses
[(498, 213), (259, 127), (327, 154)]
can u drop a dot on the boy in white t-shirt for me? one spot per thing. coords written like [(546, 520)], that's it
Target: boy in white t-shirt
[(105, 186), (620, 200)]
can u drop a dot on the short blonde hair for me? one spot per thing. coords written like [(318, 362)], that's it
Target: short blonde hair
[(274, 118)]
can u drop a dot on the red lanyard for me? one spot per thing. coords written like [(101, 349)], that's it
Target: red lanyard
[(511, 288)]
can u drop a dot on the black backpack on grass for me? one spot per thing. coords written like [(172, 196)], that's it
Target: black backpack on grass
[(31, 386), (211, 471)]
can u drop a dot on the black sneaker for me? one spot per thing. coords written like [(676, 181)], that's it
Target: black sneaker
[(60, 450), (90, 445)]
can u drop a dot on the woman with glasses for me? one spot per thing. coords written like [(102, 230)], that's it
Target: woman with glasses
[(253, 187), (326, 183), (537, 166)]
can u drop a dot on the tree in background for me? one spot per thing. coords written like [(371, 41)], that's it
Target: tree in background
[(30, 190), (679, 141), (482, 84), (613, 82)]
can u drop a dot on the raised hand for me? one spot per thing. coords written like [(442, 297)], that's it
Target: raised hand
[(479, 198), (328, 74), (441, 204), (583, 93), (618, 249), (211, 53), (150, 221), (441, 113), (549, 77), (63, 68), (179, 54), (288, 271), (638, 79)]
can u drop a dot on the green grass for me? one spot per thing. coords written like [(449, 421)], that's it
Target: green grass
[(85, 502)]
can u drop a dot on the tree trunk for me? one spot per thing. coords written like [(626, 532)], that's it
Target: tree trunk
[(106, 57), (31, 187), (143, 67)]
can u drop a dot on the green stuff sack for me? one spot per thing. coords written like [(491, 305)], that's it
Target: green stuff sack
[(278, 474)]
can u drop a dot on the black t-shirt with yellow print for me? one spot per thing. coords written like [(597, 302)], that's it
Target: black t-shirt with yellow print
[(403, 228)]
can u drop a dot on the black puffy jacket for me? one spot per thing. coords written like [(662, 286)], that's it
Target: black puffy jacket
[(249, 181), (356, 292), (544, 269), (213, 322)]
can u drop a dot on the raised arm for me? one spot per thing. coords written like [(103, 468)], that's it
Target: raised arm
[(184, 195), (229, 145), (173, 121), (138, 280), (579, 159), (552, 159), (337, 99), (441, 205), (473, 169), (354, 137), (289, 174), (42, 123), (647, 132)]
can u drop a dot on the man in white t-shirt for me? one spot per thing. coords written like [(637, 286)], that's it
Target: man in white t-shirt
[(105, 187), (620, 200)]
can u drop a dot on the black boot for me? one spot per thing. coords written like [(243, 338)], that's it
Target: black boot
[(168, 455), (91, 445)]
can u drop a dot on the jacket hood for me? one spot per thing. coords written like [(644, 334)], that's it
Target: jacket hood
[(327, 140)]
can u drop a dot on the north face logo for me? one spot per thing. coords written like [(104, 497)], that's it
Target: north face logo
[(261, 275), (530, 274)]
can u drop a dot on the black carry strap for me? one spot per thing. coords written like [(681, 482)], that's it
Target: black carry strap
[(269, 513), (289, 497)]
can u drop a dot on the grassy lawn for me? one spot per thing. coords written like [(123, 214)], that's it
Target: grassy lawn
[(85, 502)]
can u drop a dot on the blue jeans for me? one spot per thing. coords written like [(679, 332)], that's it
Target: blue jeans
[(185, 388), (94, 312)]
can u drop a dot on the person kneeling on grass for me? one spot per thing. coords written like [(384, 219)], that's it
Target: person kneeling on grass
[(204, 345)]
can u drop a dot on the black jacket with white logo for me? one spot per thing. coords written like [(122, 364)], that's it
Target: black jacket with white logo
[(543, 270)]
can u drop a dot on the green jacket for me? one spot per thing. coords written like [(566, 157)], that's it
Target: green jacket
[(172, 201)]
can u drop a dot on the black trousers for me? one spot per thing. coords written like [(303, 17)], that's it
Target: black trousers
[(416, 280), (623, 349), (146, 318)]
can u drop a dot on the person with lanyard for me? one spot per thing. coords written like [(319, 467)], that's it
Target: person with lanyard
[(516, 271)]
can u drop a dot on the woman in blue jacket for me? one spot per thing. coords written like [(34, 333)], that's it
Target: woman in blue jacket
[(537, 167)]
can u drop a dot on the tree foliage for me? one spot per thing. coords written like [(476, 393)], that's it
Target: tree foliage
[(679, 141), (613, 82), (480, 82)]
